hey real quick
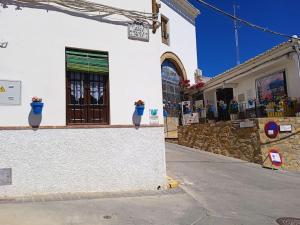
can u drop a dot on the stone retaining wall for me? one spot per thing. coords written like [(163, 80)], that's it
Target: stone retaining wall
[(250, 144), (224, 138)]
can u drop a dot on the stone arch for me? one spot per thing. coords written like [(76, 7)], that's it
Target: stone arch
[(176, 61)]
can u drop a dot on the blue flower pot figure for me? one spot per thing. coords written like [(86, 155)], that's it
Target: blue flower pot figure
[(37, 105)]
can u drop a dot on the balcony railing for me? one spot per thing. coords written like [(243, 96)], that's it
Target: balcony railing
[(256, 109)]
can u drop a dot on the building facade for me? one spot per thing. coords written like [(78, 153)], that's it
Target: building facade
[(178, 57), (265, 80), (89, 69)]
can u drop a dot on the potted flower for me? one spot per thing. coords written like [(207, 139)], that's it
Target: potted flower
[(234, 109), (37, 105), (139, 107)]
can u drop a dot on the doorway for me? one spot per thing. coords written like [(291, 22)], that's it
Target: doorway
[(225, 95)]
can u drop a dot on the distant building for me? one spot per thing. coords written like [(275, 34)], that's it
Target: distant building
[(270, 75)]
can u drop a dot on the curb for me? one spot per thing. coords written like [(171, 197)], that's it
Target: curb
[(171, 183)]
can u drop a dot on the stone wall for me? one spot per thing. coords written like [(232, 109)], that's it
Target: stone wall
[(287, 144), (226, 138), (250, 144)]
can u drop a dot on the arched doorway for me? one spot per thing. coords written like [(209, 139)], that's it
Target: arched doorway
[(172, 73)]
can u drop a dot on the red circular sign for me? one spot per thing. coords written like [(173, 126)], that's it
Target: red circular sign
[(271, 129), (275, 157)]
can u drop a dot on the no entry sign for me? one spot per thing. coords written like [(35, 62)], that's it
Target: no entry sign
[(275, 157), (271, 129)]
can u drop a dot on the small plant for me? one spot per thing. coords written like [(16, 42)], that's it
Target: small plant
[(251, 101), (222, 105), (36, 99), (233, 107), (139, 103)]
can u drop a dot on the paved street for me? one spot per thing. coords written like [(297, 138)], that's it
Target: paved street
[(215, 190), (234, 191)]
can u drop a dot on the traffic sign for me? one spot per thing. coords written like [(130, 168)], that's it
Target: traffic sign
[(271, 129), (275, 157)]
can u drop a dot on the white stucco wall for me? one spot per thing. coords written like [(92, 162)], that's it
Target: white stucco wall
[(80, 160), (285, 64), (35, 55), (182, 40)]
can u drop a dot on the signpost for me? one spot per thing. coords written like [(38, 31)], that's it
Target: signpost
[(138, 31)]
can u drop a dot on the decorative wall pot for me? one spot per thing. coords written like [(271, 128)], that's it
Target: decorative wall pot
[(37, 107), (139, 110)]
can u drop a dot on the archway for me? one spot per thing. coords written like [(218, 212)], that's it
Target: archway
[(172, 73)]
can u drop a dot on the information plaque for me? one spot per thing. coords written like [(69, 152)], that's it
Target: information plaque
[(10, 92)]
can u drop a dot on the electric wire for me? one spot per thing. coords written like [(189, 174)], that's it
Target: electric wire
[(96, 10), (246, 22)]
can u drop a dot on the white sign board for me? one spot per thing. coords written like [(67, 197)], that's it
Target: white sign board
[(138, 31), (190, 118), (246, 124), (275, 157), (285, 128), (10, 92)]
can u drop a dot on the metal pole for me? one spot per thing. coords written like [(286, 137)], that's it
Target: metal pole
[(236, 36)]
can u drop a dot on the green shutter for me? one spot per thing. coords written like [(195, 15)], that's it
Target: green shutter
[(87, 61)]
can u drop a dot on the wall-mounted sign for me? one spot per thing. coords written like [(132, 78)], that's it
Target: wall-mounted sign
[(138, 31), (285, 128), (247, 124), (10, 92), (275, 157), (271, 129), (153, 117), (190, 118)]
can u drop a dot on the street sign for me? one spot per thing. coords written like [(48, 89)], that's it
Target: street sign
[(271, 129), (138, 31), (275, 157), (286, 128)]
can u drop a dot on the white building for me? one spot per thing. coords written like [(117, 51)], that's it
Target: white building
[(89, 74), (274, 73)]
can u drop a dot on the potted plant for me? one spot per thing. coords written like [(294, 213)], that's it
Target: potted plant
[(139, 107), (37, 105), (234, 109)]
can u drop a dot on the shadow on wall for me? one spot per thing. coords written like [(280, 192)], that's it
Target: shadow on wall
[(34, 120), (136, 120), (48, 7)]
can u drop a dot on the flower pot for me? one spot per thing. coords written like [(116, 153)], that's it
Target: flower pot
[(37, 107), (139, 110), (233, 116)]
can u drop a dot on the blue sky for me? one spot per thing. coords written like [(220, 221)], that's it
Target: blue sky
[(215, 33)]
